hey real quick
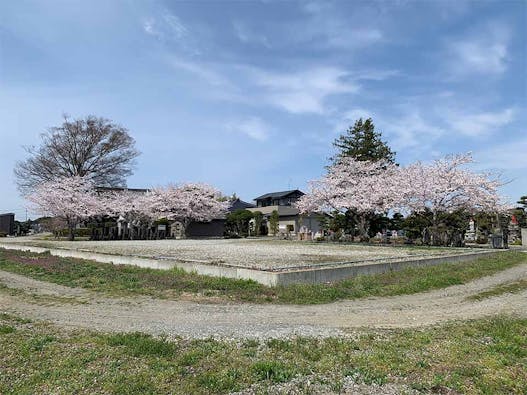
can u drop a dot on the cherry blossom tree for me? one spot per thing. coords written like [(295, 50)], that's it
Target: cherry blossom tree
[(187, 202), (443, 186), (447, 186), (71, 198), (365, 187)]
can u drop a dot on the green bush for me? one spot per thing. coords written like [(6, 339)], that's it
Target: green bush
[(79, 232), (482, 240)]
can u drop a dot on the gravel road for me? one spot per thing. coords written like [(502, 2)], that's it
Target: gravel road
[(201, 320)]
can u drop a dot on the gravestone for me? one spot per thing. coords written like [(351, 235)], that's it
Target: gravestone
[(524, 237), (470, 236), (177, 230)]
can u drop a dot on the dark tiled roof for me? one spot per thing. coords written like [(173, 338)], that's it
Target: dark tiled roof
[(240, 205), (278, 195), (120, 189)]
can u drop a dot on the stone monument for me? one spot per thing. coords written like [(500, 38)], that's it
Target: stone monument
[(470, 236)]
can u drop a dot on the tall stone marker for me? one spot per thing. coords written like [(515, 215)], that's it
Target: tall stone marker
[(524, 237)]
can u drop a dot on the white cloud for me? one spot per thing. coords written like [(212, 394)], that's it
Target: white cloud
[(202, 71), (412, 130), (165, 27), (175, 25), (484, 51), (253, 127), (405, 129), (478, 124), (148, 27), (304, 91)]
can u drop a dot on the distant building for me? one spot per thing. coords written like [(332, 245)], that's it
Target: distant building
[(7, 223), (213, 228), (290, 220)]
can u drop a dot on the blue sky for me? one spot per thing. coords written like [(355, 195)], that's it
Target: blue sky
[(249, 96)]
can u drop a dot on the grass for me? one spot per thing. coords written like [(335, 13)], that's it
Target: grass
[(484, 356), (127, 280), (511, 287)]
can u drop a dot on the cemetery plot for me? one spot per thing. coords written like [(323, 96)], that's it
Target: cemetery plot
[(262, 254)]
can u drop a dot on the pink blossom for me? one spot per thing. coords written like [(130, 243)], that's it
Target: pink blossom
[(72, 198)]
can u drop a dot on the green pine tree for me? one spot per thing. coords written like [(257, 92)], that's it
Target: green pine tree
[(362, 142)]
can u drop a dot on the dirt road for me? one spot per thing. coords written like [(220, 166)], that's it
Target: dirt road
[(81, 308)]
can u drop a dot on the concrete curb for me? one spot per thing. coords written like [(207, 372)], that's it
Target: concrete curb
[(315, 275)]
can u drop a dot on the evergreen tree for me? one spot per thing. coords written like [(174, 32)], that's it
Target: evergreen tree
[(362, 142), (274, 222)]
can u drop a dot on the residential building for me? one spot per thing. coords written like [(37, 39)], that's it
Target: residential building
[(290, 220)]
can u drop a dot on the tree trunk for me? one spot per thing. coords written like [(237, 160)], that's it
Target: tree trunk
[(364, 227), (71, 228), (185, 224)]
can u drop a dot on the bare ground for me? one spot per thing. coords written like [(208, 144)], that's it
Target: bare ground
[(87, 309)]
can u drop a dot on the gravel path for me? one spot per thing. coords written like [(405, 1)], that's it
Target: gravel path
[(200, 320)]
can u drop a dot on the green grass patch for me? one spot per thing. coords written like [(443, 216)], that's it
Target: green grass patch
[(474, 357), (4, 329), (139, 345), (125, 280), (511, 287)]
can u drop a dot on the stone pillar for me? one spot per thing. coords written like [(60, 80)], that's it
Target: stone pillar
[(524, 237)]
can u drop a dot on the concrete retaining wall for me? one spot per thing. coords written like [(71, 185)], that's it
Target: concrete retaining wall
[(304, 276)]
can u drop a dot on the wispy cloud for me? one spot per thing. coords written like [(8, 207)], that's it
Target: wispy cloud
[(304, 91), (478, 124), (407, 127), (483, 51), (247, 35), (166, 26), (202, 71), (413, 130), (253, 127)]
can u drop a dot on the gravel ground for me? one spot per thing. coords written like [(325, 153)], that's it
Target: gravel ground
[(321, 385), (201, 320), (250, 253)]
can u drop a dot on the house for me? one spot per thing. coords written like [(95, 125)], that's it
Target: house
[(290, 220), (215, 227), (7, 224)]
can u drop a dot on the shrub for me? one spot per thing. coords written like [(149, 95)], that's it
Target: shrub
[(79, 232)]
